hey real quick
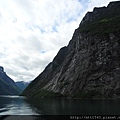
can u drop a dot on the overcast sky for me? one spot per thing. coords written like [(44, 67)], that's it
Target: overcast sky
[(32, 32)]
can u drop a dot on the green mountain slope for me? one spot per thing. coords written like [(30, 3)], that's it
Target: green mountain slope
[(7, 85)]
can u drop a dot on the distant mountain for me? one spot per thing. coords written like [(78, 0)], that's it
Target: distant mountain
[(7, 85), (22, 85), (89, 67)]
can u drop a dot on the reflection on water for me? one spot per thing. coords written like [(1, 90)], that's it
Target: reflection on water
[(61, 106), (15, 105)]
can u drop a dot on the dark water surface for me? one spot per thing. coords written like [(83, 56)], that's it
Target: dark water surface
[(15, 105)]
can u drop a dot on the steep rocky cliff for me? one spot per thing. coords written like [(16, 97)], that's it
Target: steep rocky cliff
[(89, 67), (7, 85)]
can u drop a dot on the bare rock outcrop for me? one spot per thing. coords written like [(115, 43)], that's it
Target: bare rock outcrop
[(89, 67)]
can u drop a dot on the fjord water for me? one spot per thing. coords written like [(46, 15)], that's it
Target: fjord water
[(17, 105)]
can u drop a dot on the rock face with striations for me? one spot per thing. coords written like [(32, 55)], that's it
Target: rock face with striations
[(89, 67)]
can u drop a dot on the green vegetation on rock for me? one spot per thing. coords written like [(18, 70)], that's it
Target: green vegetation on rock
[(102, 26)]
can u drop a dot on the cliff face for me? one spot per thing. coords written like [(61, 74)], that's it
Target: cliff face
[(7, 85), (89, 67)]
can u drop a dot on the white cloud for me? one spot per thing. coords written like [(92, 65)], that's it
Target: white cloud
[(32, 32)]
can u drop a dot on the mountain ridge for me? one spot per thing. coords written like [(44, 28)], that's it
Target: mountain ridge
[(22, 85), (90, 65), (7, 85)]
